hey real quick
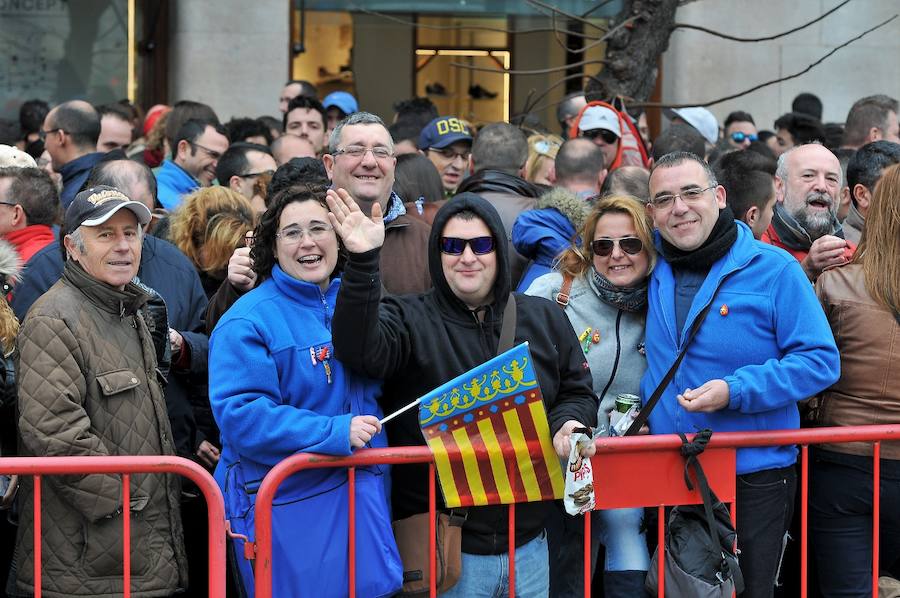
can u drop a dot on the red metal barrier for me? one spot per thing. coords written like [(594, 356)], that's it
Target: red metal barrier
[(658, 458), (40, 466)]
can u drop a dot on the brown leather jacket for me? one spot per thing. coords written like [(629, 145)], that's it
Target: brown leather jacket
[(868, 337)]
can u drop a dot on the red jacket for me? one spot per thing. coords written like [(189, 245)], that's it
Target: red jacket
[(772, 238), (30, 240)]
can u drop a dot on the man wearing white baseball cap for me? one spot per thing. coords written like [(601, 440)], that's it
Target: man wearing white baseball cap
[(699, 118), (601, 125)]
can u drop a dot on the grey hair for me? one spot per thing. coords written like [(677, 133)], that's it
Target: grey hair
[(781, 171), (357, 118)]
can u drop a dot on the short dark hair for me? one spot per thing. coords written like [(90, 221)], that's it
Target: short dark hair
[(748, 178), (239, 129), (33, 189), (675, 158), (802, 127), (866, 165), (234, 161), (263, 250), (306, 88), (415, 176), (184, 111), (298, 171), (807, 103), (738, 116), (834, 135), (627, 180), (81, 122), (117, 110), (122, 173), (578, 160), (867, 112), (31, 116), (419, 111), (500, 146), (406, 130), (302, 101), (192, 129), (679, 138), (271, 122)]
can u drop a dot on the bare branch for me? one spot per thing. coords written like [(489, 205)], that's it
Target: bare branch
[(544, 93), (595, 8), (758, 39), (563, 13), (470, 27), (552, 69), (772, 82)]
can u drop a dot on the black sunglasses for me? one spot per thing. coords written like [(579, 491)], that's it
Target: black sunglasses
[(606, 135), (630, 245), (455, 245)]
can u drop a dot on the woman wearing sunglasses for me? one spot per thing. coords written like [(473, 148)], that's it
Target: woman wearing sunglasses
[(276, 390), (602, 286)]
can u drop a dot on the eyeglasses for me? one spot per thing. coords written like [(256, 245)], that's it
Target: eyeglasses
[(294, 234), (8, 203), (260, 173), (662, 202), (358, 151), (211, 153), (450, 154), (42, 134), (456, 246), (605, 134), (604, 247), (739, 137)]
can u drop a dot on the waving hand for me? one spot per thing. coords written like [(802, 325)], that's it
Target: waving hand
[(359, 232)]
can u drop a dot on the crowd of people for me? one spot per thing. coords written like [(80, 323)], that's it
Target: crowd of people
[(235, 293)]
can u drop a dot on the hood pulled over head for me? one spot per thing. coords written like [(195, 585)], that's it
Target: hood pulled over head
[(487, 213)]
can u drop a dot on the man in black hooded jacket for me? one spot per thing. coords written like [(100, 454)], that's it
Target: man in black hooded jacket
[(415, 343)]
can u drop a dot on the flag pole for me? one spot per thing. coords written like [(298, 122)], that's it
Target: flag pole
[(400, 411)]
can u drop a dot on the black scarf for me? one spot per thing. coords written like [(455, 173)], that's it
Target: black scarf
[(625, 298), (794, 236), (720, 240)]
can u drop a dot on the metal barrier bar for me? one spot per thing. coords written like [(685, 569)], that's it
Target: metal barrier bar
[(804, 524), (605, 447), (351, 508), (876, 514), (37, 467), (511, 542), (432, 540), (126, 534)]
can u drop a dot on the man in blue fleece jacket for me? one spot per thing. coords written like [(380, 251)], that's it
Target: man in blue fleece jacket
[(764, 345)]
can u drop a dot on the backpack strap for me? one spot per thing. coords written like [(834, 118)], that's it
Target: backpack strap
[(562, 297), (508, 327)]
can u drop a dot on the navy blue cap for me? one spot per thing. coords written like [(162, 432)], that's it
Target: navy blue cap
[(444, 131)]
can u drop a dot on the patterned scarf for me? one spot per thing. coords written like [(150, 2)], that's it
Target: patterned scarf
[(395, 208), (631, 299), (792, 234)]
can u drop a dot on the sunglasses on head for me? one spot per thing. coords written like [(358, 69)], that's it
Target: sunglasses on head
[(455, 245), (604, 247), (606, 135), (739, 137)]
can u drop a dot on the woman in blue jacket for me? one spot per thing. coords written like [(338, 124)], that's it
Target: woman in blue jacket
[(276, 390)]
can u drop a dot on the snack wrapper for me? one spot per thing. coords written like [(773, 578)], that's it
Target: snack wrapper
[(579, 496)]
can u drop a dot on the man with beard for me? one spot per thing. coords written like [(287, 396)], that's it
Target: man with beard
[(808, 185)]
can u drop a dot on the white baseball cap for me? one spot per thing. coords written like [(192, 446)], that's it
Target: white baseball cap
[(13, 156), (699, 118), (600, 117)]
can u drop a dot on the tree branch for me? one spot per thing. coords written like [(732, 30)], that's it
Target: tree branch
[(595, 8), (561, 12), (544, 93), (469, 27), (772, 82), (552, 69), (757, 39)]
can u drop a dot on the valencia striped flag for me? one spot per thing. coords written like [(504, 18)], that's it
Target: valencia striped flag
[(490, 437)]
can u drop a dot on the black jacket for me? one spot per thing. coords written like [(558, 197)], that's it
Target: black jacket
[(418, 342)]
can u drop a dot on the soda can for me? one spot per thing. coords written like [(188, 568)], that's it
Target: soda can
[(624, 402)]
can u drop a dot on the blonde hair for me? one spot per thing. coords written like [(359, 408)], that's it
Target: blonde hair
[(576, 261), (209, 225), (879, 247), (540, 147)]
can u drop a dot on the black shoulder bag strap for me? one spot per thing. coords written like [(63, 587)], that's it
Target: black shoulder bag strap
[(641, 418), (508, 327)]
